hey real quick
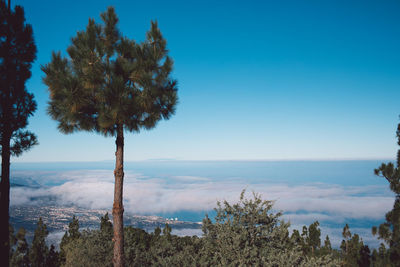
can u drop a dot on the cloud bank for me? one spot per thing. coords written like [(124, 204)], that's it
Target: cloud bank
[(301, 204), (149, 195)]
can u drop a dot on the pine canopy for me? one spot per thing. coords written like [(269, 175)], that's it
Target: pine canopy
[(17, 52), (389, 231), (110, 80)]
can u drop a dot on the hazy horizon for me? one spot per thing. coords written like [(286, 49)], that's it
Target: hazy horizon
[(205, 160)]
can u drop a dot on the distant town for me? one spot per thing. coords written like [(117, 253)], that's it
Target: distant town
[(57, 219)]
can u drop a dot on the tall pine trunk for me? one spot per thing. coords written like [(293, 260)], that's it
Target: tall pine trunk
[(5, 200), (118, 208), (5, 164)]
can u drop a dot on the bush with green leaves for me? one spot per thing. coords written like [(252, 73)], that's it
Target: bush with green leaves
[(247, 233)]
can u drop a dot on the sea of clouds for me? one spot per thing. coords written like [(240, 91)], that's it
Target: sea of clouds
[(331, 204)]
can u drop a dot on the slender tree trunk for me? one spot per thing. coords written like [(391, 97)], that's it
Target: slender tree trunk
[(5, 163), (5, 160), (118, 208), (5, 200)]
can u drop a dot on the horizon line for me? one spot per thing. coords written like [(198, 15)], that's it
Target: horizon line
[(209, 160)]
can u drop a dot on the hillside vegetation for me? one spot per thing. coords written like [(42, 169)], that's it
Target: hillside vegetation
[(247, 233)]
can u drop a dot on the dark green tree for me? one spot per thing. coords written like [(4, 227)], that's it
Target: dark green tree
[(389, 231), (346, 234), (296, 238), (20, 256), (137, 247), (106, 227), (111, 84), (157, 232), (309, 240), (70, 235), (354, 252), (12, 240), (53, 257), (305, 244), (365, 256), (39, 251), (327, 248), (73, 228), (380, 257), (91, 250), (167, 230), (17, 52), (314, 237)]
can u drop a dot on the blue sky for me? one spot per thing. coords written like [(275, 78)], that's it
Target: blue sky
[(257, 79)]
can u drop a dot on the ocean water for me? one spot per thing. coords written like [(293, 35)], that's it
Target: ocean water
[(343, 172), (332, 192)]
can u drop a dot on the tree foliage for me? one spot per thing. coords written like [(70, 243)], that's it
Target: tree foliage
[(354, 252), (20, 256), (110, 84), (389, 231), (39, 250), (110, 80), (310, 240), (247, 233), (242, 231), (69, 236), (17, 52), (38, 254)]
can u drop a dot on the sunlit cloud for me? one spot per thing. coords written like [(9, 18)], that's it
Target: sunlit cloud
[(150, 195), (301, 204)]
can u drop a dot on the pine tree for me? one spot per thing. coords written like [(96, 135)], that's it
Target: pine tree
[(39, 251), (53, 258), (389, 231), (111, 84), (345, 243), (365, 256), (354, 252), (296, 239), (167, 230), (380, 257), (106, 227), (105, 224), (305, 244), (314, 237), (71, 235), (73, 228), (20, 256), (12, 240), (157, 232), (17, 52), (327, 248)]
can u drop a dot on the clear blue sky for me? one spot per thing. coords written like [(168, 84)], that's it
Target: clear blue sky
[(257, 79)]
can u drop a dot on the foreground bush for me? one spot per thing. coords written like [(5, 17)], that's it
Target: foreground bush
[(247, 233)]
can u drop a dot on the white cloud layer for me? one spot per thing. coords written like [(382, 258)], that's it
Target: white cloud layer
[(146, 195), (301, 204)]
